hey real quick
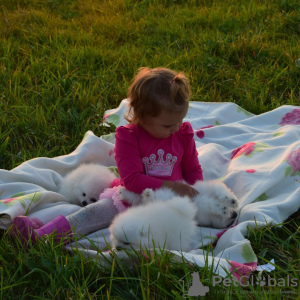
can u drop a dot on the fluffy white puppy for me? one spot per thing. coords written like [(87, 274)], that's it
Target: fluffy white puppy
[(163, 224), (83, 185), (216, 204)]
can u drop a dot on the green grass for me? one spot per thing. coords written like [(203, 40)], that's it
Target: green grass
[(63, 63)]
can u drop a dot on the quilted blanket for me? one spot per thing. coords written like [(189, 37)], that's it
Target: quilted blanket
[(257, 156)]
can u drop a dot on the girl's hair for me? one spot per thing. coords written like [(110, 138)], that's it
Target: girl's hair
[(155, 90)]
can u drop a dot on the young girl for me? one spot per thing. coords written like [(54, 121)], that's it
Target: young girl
[(154, 150)]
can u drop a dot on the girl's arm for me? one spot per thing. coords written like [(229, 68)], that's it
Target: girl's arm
[(180, 188)]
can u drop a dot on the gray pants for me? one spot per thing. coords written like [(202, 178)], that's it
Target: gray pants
[(93, 217)]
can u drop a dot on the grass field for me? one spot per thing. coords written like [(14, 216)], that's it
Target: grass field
[(63, 63)]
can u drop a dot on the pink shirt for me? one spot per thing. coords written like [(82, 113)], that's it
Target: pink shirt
[(144, 161)]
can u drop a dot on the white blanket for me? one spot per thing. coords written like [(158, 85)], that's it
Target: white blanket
[(258, 157)]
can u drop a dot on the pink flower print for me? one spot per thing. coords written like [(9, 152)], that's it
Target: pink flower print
[(200, 133), (244, 149), (250, 171), (8, 200), (293, 160), (292, 118), (242, 271), (105, 117)]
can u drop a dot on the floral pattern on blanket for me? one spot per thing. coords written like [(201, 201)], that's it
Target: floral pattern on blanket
[(293, 159), (291, 118), (24, 200), (200, 132), (242, 271), (248, 149)]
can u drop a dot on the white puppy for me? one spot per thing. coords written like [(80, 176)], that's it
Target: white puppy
[(216, 204), (83, 185), (163, 224)]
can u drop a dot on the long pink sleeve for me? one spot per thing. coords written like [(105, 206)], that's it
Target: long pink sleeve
[(129, 162)]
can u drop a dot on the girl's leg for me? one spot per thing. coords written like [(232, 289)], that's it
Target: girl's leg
[(25, 229), (88, 219), (93, 217)]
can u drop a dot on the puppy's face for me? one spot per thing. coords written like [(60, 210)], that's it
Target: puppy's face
[(88, 191)]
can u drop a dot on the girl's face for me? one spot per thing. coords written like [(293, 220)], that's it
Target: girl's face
[(164, 125)]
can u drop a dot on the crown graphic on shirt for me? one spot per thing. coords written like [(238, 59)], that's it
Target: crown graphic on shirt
[(159, 167)]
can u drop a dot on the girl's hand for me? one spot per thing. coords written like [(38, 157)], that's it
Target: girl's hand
[(180, 188)]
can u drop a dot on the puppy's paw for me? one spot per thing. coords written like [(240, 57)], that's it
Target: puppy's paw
[(130, 197), (121, 193), (147, 195)]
